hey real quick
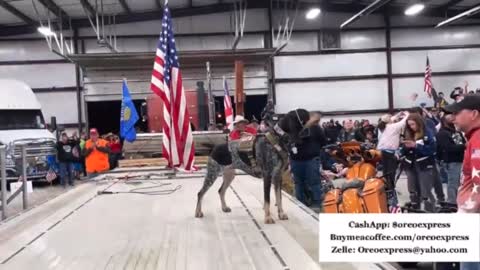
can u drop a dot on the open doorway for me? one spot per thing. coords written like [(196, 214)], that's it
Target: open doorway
[(254, 106), (105, 116)]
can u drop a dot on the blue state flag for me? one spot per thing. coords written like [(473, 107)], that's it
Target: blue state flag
[(128, 117)]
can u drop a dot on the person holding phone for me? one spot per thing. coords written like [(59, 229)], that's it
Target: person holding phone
[(419, 149)]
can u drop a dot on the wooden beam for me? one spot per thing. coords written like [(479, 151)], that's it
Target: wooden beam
[(239, 93), (125, 6), (16, 12)]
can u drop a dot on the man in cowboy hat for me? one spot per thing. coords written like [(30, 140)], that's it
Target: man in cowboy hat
[(240, 127)]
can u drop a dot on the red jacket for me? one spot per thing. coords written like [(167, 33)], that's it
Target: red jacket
[(235, 134), (116, 147), (468, 198)]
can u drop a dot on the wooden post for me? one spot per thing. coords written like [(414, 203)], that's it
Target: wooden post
[(239, 93)]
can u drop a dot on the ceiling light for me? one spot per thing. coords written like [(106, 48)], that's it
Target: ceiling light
[(313, 13), (414, 9), (46, 31)]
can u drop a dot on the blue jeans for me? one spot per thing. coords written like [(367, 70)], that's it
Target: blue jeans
[(454, 170), (443, 171), (306, 175), (66, 173), (470, 266)]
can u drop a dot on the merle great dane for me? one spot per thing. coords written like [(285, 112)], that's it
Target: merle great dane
[(271, 161)]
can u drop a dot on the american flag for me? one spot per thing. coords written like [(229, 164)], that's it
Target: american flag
[(428, 79), (177, 145), (51, 175), (395, 209), (227, 104)]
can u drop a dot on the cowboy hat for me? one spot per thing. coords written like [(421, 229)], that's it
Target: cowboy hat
[(239, 119)]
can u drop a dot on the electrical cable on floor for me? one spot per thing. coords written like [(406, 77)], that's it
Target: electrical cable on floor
[(133, 179), (150, 176), (156, 192), (152, 193)]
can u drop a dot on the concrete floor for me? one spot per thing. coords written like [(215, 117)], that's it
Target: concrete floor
[(132, 231), (33, 223), (43, 192)]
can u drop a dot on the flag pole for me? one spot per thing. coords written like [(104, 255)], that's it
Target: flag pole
[(125, 83), (211, 101), (224, 81)]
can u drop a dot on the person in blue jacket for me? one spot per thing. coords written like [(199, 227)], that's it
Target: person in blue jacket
[(418, 150), (431, 124)]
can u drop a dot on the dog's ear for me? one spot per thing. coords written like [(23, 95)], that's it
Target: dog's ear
[(304, 115), (284, 122), (294, 123), (291, 125)]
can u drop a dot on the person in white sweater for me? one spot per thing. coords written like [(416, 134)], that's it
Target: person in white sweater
[(388, 144)]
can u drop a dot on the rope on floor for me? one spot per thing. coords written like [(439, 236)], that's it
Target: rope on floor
[(152, 192)]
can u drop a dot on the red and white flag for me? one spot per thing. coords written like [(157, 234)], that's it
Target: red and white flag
[(227, 104), (51, 175), (428, 79), (178, 147)]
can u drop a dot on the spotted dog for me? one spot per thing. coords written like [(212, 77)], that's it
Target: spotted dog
[(270, 153)]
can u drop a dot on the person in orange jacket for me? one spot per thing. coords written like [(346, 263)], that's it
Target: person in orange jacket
[(96, 154)]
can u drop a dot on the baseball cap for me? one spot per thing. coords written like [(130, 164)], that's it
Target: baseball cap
[(468, 102), (93, 131)]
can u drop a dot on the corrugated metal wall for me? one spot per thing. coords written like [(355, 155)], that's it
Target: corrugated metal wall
[(357, 79), (351, 79)]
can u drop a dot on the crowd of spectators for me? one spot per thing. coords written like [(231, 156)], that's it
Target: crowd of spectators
[(423, 143), (82, 155)]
